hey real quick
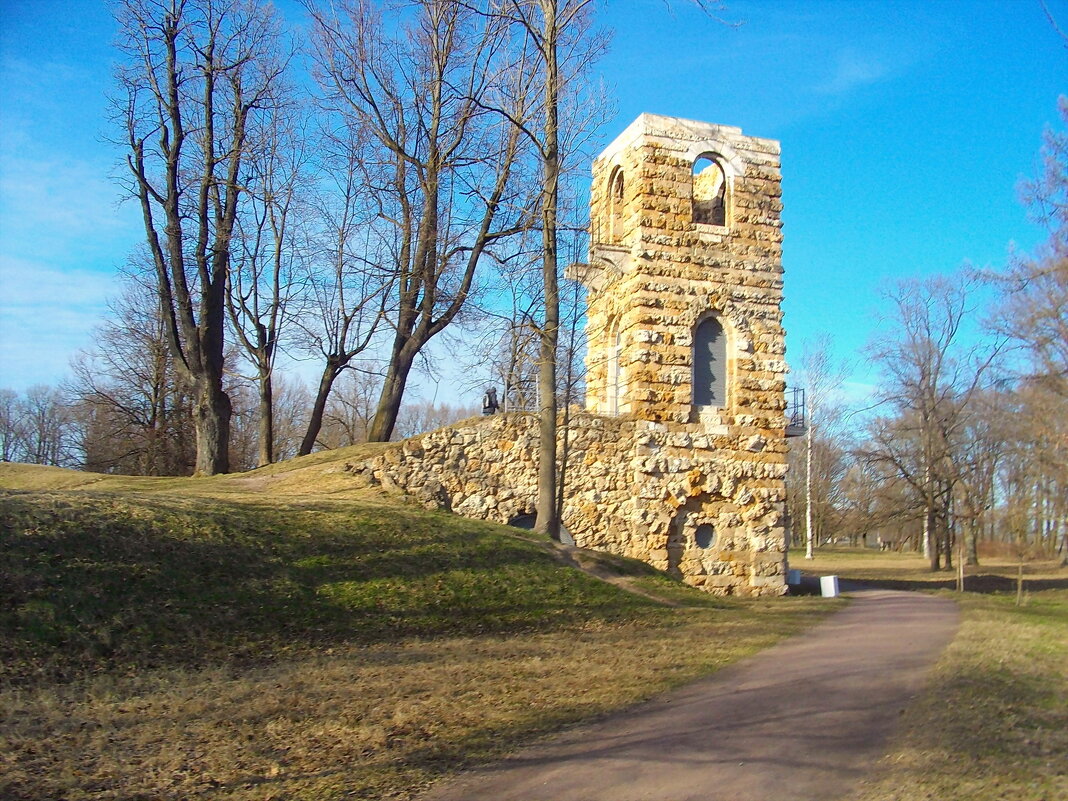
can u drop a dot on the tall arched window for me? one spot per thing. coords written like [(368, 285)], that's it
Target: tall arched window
[(709, 192), (615, 381), (710, 363), (615, 205)]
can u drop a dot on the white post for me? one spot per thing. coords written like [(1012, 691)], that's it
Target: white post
[(808, 490), (927, 512)]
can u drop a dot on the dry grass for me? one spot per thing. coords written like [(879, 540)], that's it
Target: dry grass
[(911, 571), (282, 634), (319, 474), (993, 723), (378, 722)]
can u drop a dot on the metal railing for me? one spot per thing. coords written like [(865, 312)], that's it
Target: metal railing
[(796, 422)]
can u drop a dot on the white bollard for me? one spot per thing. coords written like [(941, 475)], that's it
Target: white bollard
[(829, 586)]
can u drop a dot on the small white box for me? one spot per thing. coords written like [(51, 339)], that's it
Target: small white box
[(829, 586)]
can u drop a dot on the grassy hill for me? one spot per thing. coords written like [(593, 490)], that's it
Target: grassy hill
[(98, 579), (284, 634)]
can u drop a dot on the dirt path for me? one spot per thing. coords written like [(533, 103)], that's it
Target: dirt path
[(803, 720)]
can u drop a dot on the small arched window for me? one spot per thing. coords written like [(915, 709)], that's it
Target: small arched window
[(615, 205), (710, 363), (709, 192)]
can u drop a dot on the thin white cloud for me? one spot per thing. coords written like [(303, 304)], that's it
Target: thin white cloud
[(46, 315), (61, 238), (852, 71), (49, 206)]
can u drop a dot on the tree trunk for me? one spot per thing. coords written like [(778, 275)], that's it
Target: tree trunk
[(389, 401), (947, 544), (211, 420), (266, 421), (974, 528), (547, 521), (808, 493), (315, 421), (930, 537)]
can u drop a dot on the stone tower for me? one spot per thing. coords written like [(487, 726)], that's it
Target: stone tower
[(684, 328), (680, 457), (686, 252)]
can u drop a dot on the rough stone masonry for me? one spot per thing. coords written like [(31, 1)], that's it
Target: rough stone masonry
[(679, 458)]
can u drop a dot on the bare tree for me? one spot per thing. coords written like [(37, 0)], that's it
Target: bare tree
[(556, 30), (291, 402), (199, 77), (1034, 309), (421, 416), (979, 450), (47, 427), (347, 417), (348, 277), (932, 373), (1033, 315), (442, 165), (500, 346), (11, 435), (859, 503), (137, 416), (264, 281), (824, 452)]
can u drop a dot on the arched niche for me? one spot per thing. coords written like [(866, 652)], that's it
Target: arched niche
[(704, 536), (616, 187), (710, 190), (710, 379)]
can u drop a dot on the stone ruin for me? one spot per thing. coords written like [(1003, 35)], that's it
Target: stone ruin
[(679, 458)]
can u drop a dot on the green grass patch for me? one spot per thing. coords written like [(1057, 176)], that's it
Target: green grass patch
[(92, 581)]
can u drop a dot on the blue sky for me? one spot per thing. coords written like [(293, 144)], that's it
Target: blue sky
[(905, 128)]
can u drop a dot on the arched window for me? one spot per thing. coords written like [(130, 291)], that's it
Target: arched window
[(615, 205), (709, 192), (710, 364), (615, 381)]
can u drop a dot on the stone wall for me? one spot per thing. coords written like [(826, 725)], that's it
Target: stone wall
[(632, 487)]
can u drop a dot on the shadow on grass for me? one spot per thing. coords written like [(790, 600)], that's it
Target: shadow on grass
[(99, 581)]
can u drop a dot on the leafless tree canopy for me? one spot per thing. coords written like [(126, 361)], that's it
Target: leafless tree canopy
[(198, 81), (441, 164)]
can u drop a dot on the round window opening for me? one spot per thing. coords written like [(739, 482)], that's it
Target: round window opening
[(705, 535)]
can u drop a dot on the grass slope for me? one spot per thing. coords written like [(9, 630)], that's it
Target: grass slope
[(281, 634), (96, 581)]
